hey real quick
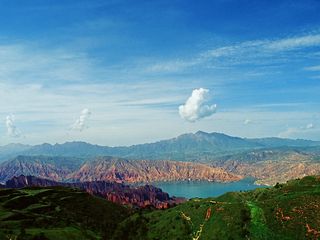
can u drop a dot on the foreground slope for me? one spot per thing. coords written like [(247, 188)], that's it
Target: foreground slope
[(289, 211), (57, 213)]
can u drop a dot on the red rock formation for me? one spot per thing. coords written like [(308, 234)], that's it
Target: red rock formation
[(142, 196), (131, 171), (313, 232)]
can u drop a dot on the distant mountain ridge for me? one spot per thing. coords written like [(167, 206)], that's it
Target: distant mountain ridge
[(12, 149), (186, 147)]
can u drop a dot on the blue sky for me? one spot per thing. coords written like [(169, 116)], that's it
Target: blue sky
[(116, 72)]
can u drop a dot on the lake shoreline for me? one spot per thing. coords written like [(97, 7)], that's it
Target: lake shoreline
[(204, 189)]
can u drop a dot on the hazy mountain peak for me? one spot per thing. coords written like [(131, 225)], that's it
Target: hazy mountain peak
[(201, 133), (12, 145)]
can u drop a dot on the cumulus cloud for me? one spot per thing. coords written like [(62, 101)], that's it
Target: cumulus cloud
[(12, 130), (81, 123), (195, 107)]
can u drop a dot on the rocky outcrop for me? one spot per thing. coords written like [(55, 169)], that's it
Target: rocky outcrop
[(53, 168), (131, 171), (141, 196), (270, 167)]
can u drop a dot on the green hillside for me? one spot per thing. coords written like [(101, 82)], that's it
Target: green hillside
[(289, 211), (286, 211), (57, 213)]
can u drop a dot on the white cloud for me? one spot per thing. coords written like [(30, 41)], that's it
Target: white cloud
[(247, 121), (310, 126), (81, 123), (12, 130), (171, 66), (49, 110), (295, 42), (195, 107)]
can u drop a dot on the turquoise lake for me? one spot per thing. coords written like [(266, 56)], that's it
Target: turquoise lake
[(203, 189)]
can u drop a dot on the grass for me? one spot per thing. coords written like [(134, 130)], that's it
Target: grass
[(284, 212), (57, 213), (258, 227), (278, 213)]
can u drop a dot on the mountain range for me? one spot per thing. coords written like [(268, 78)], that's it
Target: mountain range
[(192, 156), (187, 147)]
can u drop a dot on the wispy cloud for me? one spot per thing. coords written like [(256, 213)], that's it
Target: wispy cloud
[(294, 43), (298, 132), (196, 106), (23, 63), (12, 130), (258, 52), (313, 68)]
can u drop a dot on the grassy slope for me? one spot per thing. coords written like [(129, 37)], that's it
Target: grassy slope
[(289, 211), (56, 213)]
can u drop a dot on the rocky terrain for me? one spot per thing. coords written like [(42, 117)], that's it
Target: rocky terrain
[(114, 169), (141, 196), (272, 166), (111, 169), (54, 168)]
